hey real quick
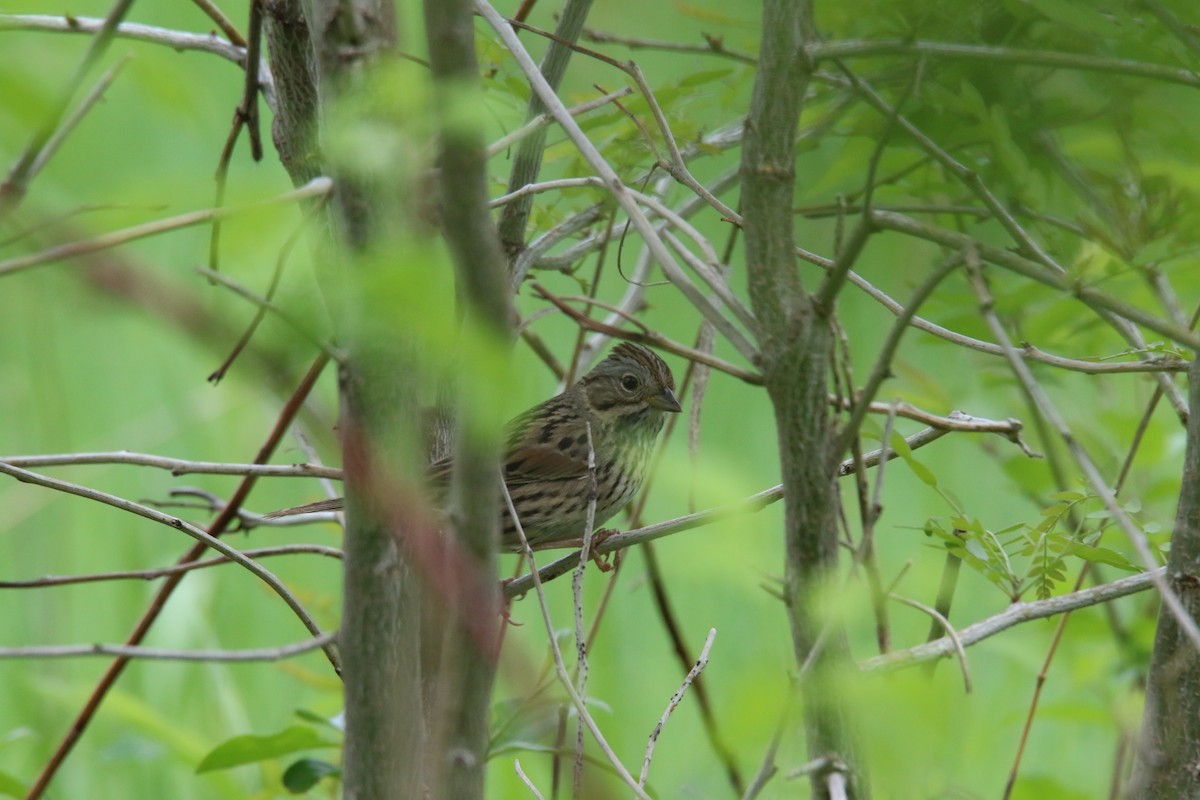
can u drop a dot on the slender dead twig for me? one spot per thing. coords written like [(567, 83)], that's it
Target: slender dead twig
[(218, 526), (163, 572), (951, 634), (697, 668), (161, 654), (177, 466), (314, 188), (559, 665), (581, 642), (259, 571), (176, 40), (223, 22)]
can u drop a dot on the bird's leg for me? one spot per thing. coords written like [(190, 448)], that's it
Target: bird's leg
[(599, 559), (602, 560)]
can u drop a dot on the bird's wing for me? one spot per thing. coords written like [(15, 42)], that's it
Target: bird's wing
[(525, 463), (534, 452), (541, 462), (530, 455)]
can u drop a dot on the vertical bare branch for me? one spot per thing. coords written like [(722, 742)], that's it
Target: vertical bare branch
[(1170, 746), (291, 56), (383, 755), (797, 344), (466, 669), (528, 161)]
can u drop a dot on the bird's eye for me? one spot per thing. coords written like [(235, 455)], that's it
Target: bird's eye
[(629, 382)]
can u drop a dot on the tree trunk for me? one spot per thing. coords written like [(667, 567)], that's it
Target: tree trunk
[(384, 753), (468, 647), (795, 355), (419, 631), (1168, 763)]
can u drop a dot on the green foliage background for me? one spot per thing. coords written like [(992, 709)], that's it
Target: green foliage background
[(86, 368)]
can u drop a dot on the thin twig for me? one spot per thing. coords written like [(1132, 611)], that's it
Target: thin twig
[(226, 516), (162, 572), (696, 669), (559, 666), (177, 466), (223, 22), (1034, 390), (768, 769), (581, 642), (1154, 364), (159, 654), (651, 338), (858, 48), (244, 116), (883, 362), (176, 40), (1067, 285), (264, 304), (525, 779), (154, 515), (950, 634), (546, 186), (870, 510), (714, 46), (280, 260), (16, 182), (314, 188), (542, 120), (72, 121)]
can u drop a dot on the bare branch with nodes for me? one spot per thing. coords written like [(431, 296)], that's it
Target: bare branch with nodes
[(261, 572), (697, 668)]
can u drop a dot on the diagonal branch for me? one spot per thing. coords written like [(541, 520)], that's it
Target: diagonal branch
[(1014, 614)]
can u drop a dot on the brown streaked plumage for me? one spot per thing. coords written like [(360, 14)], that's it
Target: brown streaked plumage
[(624, 400)]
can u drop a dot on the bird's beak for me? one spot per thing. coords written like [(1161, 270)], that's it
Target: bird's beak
[(665, 401)]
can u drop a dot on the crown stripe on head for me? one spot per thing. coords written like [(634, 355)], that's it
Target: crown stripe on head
[(647, 358)]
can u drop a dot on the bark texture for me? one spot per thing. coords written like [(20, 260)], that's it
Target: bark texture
[(795, 355), (291, 57), (384, 755), (419, 631), (1168, 763), (466, 663)]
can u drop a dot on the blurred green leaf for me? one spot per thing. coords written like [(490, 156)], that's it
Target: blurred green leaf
[(1102, 555), (304, 774), (250, 748), (11, 786)]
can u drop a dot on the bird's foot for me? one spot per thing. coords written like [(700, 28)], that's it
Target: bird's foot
[(603, 561)]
